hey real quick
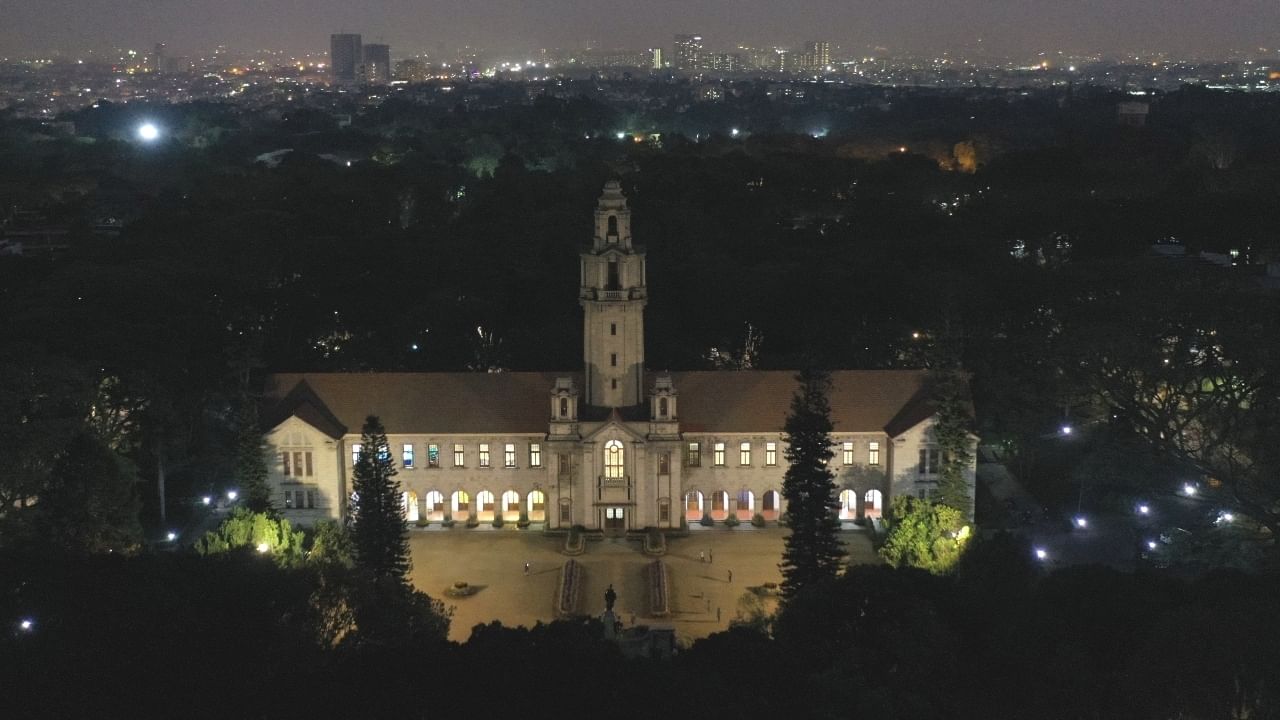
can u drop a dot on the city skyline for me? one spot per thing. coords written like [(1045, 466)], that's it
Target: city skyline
[(1191, 28)]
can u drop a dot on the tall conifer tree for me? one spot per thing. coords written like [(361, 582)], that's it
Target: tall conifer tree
[(379, 534), (812, 552), (951, 430), (251, 463)]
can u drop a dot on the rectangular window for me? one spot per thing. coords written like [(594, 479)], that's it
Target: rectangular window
[(306, 458), (847, 455), (355, 453), (459, 455), (613, 359), (718, 458), (694, 458), (664, 511), (284, 457), (929, 462), (613, 328), (873, 453), (664, 463), (535, 455), (288, 499), (771, 454), (566, 514), (311, 498), (484, 455), (407, 455), (562, 464), (509, 455), (744, 454), (433, 456)]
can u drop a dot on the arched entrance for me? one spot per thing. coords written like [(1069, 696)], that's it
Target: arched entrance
[(693, 506), (510, 506), (435, 506), (770, 505), (872, 504), (848, 505), (746, 505), (719, 505), (537, 502), (460, 505), (409, 505), (485, 506)]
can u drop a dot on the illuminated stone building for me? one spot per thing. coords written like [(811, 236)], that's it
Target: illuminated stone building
[(612, 446)]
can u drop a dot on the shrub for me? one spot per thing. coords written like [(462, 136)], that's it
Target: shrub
[(497, 520), (707, 520), (757, 520), (422, 521), (473, 521), (523, 522), (732, 520)]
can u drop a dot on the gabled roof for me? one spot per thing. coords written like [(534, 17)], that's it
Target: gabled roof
[(759, 401), (517, 402)]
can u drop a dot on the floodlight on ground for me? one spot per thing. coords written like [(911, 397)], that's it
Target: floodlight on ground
[(1066, 429), (734, 132), (148, 132), (1226, 517), (620, 135), (1151, 544), (263, 547), (171, 536)]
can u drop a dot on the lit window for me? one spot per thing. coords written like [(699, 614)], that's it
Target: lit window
[(771, 453), (718, 458), (459, 455), (509, 455), (847, 457), (355, 453), (407, 455), (613, 457), (484, 455), (535, 455), (744, 454), (433, 456), (873, 453), (695, 455)]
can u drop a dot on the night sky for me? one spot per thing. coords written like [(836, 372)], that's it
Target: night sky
[(1210, 27)]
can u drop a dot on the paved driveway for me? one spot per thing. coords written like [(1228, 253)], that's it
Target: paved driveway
[(494, 559)]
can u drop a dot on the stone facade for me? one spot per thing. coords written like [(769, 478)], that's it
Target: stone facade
[(612, 447)]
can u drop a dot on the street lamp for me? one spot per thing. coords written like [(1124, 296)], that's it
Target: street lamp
[(206, 500), (1151, 544), (1066, 429), (171, 536), (1189, 490), (1144, 509), (26, 625), (232, 494), (1081, 522), (1042, 554), (148, 132)]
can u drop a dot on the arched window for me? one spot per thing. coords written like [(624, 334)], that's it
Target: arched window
[(613, 456), (564, 407), (662, 407), (613, 228)]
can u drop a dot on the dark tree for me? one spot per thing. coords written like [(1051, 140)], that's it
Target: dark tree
[(951, 429), (382, 544), (251, 463), (812, 553)]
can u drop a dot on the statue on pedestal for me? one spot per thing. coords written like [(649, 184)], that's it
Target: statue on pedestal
[(610, 597)]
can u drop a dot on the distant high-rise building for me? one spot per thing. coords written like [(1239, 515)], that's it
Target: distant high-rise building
[(655, 58), (158, 59), (688, 52), (345, 58), (377, 64), (818, 53)]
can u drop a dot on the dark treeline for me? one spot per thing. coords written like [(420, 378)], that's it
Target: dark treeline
[(236, 636)]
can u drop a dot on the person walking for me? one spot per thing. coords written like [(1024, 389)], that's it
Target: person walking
[(702, 556), (730, 576), (711, 555), (526, 567)]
